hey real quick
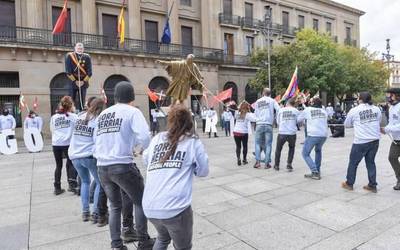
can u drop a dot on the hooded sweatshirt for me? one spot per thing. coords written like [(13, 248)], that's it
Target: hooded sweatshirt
[(287, 120), (120, 128), (393, 127), (366, 121), (33, 122), (61, 126), (7, 122), (83, 138), (264, 110), (317, 121), (168, 189)]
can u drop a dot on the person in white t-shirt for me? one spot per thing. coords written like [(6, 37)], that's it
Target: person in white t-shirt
[(61, 127), (366, 119), (287, 120), (7, 121), (317, 132), (172, 159)]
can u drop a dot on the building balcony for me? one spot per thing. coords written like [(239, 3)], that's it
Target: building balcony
[(350, 42), (229, 19), (237, 60), (45, 39)]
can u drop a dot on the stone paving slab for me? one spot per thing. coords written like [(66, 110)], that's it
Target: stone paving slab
[(235, 208)]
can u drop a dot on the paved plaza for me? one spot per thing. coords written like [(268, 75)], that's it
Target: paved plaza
[(236, 208)]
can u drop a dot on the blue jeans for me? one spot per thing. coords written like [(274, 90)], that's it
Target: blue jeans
[(128, 178), (227, 127), (310, 143), (359, 151), (86, 167), (264, 139)]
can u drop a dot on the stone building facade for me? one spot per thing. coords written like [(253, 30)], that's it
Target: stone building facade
[(221, 34), (394, 80)]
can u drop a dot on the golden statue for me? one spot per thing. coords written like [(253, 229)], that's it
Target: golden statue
[(185, 75)]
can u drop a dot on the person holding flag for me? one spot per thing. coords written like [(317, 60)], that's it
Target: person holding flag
[(33, 121)]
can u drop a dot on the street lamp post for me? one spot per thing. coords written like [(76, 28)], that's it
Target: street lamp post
[(266, 30), (388, 57)]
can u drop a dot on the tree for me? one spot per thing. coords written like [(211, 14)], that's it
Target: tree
[(323, 66)]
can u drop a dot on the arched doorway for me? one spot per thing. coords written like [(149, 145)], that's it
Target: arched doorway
[(59, 87), (234, 87), (109, 86), (251, 95)]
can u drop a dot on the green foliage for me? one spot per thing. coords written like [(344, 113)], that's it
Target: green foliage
[(323, 66)]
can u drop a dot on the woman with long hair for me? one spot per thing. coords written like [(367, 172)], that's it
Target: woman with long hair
[(61, 127), (172, 159), (241, 130), (81, 153)]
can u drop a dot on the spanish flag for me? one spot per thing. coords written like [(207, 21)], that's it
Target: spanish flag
[(121, 24), (61, 20)]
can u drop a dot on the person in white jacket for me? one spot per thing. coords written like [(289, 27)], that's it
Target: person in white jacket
[(287, 120), (33, 121), (317, 132), (264, 112), (241, 131), (393, 130), (365, 118), (172, 159), (7, 121), (61, 126)]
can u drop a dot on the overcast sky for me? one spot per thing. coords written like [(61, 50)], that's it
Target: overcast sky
[(381, 21)]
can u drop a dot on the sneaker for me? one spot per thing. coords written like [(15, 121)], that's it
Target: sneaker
[(71, 189), (85, 216), (276, 167), (102, 221), (289, 168), (58, 191), (129, 234), (239, 162), (397, 187), (267, 166), (371, 189), (146, 245), (347, 186), (120, 248), (314, 176), (94, 218), (245, 162), (257, 165)]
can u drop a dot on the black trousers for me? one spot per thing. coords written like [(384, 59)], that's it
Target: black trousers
[(281, 140), (241, 141), (59, 152), (394, 155), (102, 203), (204, 125), (74, 93)]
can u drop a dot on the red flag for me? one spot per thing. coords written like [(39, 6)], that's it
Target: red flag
[(103, 94), (153, 96), (60, 24), (35, 104), (226, 94)]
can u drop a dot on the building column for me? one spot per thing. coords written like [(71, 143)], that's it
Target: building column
[(210, 28), (135, 28), (89, 16), (174, 22), (34, 10)]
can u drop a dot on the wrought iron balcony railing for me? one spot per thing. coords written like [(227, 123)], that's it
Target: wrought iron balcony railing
[(229, 19), (45, 38)]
